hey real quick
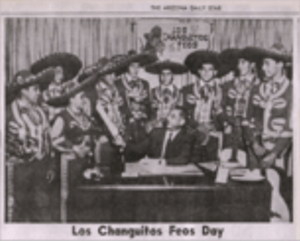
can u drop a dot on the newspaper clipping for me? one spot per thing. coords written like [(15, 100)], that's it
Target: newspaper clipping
[(149, 120)]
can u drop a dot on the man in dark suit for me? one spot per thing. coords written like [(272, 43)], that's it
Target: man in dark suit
[(172, 144)]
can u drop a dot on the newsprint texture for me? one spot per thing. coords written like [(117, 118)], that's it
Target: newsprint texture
[(127, 120)]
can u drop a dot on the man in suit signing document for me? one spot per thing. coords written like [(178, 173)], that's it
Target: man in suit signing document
[(170, 145)]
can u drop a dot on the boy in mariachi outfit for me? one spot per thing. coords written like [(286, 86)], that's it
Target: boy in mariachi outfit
[(28, 149), (239, 116), (72, 131), (104, 92), (165, 96), (202, 100), (66, 66), (275, 97), (135, 93)]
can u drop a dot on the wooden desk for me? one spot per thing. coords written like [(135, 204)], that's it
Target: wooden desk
[(169, 199)]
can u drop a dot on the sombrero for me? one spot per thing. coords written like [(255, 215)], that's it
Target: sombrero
[(144, 58), (112, 65), (87, 81), (71, 88), (196, 59), (251, 54), (25, 78), (158, 67), (91, 69), (70, 64), (228, 61), (277, 52)]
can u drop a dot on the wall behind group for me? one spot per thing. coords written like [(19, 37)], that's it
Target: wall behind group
[(29, 39)]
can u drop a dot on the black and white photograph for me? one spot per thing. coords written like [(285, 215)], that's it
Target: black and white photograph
[(148, 120)]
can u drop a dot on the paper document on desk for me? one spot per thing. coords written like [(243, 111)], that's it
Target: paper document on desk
[(222, 175), (156, 167), (183, 170), (134, 170), (152, 167)]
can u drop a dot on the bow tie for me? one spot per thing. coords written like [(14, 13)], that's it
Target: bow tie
[(167, 92), (206, 87), (242, 85), (134, 84), (274, 87), (205, 91)]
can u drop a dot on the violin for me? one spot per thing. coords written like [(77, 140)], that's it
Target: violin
[(234, 154)]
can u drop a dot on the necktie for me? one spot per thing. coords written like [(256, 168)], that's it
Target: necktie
[(166, 146), (169, 145)]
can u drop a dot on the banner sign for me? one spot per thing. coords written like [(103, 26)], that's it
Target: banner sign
[(174, 39)]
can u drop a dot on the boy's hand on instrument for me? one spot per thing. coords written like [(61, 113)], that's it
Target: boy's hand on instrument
[(268, 160), (119, 141), (39, 155), (258, 149), (81, 150)]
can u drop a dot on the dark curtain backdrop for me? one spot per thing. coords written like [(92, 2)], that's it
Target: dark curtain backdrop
[(29, 39)]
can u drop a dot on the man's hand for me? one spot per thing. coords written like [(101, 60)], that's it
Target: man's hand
[(268, 160), (205, 127), (162, 162), (50, 176)]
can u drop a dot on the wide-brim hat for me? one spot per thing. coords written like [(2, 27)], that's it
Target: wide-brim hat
[(92, 69), (224, 69), (70, 64), (195, 60), (228, 61), (143, 59), (71, 89), (158, 67), (25, 78), (251, 54), (276, 52), (112, 65), (87, 82)]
